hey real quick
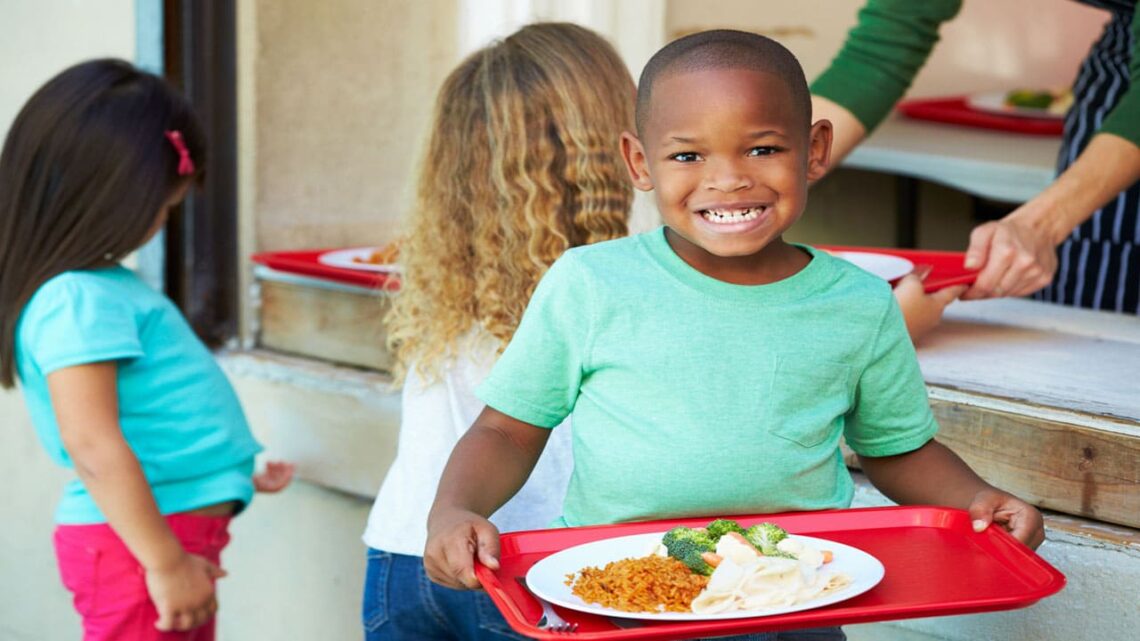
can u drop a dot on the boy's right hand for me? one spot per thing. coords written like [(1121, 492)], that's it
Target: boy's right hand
[(183, 593), (454, 540)]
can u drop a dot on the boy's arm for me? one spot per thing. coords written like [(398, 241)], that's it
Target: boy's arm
[(85, 400), (934, 475), (488, 465)]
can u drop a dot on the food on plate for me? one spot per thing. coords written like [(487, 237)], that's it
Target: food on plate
[(1054, 102), (385, 255), (721, 567), (646, 584)]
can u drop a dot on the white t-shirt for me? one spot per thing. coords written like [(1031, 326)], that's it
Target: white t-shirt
[(433, 418)]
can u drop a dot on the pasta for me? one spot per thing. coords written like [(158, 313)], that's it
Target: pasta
[(747, 580)]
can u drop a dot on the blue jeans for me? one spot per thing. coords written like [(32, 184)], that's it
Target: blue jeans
[(811, 634), (402, 604)]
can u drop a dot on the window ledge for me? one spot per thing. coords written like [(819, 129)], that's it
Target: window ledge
[(338, 424)]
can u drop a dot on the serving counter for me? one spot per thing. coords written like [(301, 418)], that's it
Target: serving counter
[(1042, 400)]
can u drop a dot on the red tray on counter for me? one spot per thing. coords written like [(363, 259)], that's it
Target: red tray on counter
[(957, 111), (947, 267), (306, 263), (936, 565)]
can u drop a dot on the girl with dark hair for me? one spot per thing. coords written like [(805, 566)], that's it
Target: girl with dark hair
[(117, 385)]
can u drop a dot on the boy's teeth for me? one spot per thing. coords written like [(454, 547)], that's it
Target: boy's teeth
[(730, 215)]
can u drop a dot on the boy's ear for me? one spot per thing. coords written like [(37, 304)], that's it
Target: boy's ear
[(635, 161), (819, 150)]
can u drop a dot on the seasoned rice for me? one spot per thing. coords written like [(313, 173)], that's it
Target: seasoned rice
[(646, 584)]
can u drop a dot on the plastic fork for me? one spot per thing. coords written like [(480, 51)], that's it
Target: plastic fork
[(550, 619)]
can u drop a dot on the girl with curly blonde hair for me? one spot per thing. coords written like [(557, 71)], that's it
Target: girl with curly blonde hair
[(522, 163)]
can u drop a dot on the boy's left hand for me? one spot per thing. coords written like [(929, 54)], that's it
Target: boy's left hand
[(274, 478), (1019, 518), (921, 311)]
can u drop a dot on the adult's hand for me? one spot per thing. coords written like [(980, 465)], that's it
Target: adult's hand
[(1016, 258), (1017, 254)]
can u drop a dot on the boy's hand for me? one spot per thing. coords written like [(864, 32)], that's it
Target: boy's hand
[(454, 540), (184, 593), (1021, 519), (274, 478)]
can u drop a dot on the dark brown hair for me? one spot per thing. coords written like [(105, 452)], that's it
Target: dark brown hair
[(85, 170)]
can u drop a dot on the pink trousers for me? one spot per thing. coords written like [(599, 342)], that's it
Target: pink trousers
[(108, 585)]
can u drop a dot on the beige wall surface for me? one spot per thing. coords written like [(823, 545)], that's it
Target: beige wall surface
[(42, 38), (342, 93), (989, 45)]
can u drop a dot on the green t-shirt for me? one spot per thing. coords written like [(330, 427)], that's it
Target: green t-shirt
[(692, 396)]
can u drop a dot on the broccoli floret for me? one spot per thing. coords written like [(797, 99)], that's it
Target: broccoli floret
[(687, 544), (765, 536), (720, 527)]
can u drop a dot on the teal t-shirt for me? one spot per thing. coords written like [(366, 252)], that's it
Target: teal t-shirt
[(691, 396), (177, 410)]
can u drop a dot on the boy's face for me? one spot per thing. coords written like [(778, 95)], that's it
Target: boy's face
[(729, 155)]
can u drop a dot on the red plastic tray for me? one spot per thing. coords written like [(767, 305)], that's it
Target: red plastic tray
[(305, 262), (936, 565), (956, 111), (947, 267)]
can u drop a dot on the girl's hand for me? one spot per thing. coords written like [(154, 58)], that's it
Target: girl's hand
[(1019, 518), (183, 593), (454, 540), (274, 478), (922, 311)]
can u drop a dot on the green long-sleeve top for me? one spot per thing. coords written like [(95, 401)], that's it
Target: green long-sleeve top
[(891, 42)]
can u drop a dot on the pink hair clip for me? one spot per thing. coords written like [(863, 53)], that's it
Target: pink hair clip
[(185, 163)]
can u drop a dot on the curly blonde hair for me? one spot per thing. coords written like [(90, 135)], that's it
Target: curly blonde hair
[(522, 163)]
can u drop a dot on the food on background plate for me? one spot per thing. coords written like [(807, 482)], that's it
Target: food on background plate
[(386, 255), (721, 567), (1054, 102)]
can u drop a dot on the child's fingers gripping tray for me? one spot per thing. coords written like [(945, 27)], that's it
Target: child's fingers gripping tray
[(878, 564), (941, 268)]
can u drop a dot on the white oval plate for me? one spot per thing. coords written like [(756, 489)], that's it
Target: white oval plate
[(547, 578), (353, 258), (994, 103), (884, 266)]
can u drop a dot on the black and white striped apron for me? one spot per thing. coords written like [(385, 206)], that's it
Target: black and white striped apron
[(1098, 265)]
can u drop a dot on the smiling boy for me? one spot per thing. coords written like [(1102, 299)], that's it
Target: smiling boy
[(711, 367)]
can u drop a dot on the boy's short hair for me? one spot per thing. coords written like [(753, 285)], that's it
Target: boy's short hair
[(723, 49)]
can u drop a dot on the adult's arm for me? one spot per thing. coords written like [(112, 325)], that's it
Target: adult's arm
[(876, 65), (1017, 254)]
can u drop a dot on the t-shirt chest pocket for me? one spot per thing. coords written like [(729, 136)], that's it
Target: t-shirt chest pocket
[(807, 399)]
